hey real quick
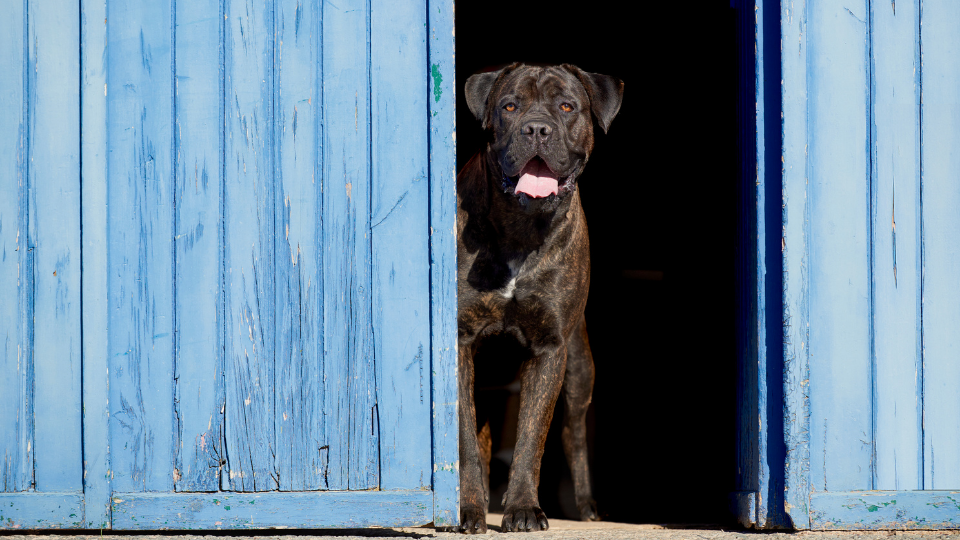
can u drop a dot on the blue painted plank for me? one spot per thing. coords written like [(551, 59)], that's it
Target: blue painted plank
[(401, 260), (796, 255), (350, 400), (769, 344), (748, 427), (841, 435), (249, 246), (333, 509), (140, 250), (16, 456), (301, 447), (197, 238), (93, 223), (54, 232), (940, 114), (864, 510), (896, 245), (41, 511), (443, 264)]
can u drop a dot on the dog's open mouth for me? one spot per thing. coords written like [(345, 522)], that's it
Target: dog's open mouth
[(537, 181)]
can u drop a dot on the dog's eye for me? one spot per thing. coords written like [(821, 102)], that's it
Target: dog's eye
[(510, 107), (566, 107)]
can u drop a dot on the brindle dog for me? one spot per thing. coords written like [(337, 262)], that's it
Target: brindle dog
[(523, 269)]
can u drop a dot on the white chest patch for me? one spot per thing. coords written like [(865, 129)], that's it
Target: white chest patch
[(507, 290)]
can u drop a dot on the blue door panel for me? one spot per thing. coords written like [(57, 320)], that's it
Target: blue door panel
[(267, 211), (198, 236), (40, 449), (940, 133), (15, 470), (839, 247), (864, 208), (140, 236), (897, 262)]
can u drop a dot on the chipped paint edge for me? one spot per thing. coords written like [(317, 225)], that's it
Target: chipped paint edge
[(312, 510), (885, 510), (443, 261)]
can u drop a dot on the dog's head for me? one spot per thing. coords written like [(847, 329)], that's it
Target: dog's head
[(541, 123)]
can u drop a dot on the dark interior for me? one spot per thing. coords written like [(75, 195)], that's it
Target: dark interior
[(659, 194)]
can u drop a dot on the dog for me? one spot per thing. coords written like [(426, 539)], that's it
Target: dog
[(523, 269)]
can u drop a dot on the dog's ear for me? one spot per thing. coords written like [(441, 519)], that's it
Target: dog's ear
[(606, 94), (478, 89)]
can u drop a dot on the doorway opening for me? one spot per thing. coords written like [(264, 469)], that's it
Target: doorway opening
[(660, 197)]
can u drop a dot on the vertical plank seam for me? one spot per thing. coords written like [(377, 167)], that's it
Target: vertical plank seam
[(277, 246), (759, 201), (871, 235), (372, 349), (222, 232), (319, 160), (430, 258), (80, 97), (318, 156), (806, 470), (921, 360), (807, 232), (177, 435), (27, 282), (271, 265)]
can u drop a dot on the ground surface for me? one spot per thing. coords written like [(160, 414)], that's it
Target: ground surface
[(559, 530)]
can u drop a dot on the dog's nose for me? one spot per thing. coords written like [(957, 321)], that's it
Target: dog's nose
[(538, 130)]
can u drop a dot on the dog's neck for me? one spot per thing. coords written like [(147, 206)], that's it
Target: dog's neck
[(521, 230)]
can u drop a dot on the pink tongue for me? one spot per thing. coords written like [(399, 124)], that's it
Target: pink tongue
[(536, 180)]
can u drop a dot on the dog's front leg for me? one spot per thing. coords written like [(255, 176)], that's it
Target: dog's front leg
[(540, 380), (473, 499)]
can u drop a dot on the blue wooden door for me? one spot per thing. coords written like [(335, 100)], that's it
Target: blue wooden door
[(859, 218), (227, 264)]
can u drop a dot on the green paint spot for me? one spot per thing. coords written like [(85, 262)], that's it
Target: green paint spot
[(437, 79), (872, 508), (253, 502), (227, 507)]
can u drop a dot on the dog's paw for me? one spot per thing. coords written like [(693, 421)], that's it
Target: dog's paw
[(524, 519), (473, 521), (588, 510)]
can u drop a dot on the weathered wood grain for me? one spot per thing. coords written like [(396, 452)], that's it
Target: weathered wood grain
[(866, 510), (94, 273), (200, 137), (796, 258), (350, 395), (35, 510), (940, 166), (443, 264), (841, 447), (301, 444), (335, 509), (769, 268), (249, 237), (399, 88), (16, 432), (198, 130), (140, 223), (54, 235), (896, 261)]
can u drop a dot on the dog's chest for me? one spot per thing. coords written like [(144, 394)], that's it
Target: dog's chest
[(508, 290)]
